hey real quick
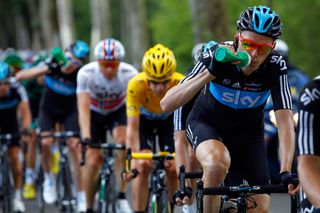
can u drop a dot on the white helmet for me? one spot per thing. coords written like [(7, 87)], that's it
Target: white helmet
[(109, 49), (282, 47)]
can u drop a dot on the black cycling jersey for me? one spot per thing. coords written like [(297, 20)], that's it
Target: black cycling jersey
[(308, 131), (8, 110), (60, 90), (236, 101)]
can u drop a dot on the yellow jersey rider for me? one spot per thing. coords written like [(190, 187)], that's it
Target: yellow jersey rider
[(145, 118)]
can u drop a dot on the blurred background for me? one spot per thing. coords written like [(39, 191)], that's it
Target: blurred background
[(178, 24)]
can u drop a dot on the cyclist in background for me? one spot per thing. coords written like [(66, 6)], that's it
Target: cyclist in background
[(308, 145), (13, 98), (101, 92), (145, 118), (226, 120), (34, 89), (297, 79), (59, 105), (12, 58)]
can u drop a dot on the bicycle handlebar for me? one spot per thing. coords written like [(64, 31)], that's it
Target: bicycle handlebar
[(104, 146), (162, 155), (222, 54), (61, 135)]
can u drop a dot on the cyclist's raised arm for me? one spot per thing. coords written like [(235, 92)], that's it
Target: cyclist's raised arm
[(32, 72), (182, 93)]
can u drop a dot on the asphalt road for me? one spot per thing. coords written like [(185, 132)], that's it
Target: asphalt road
[(279, 204)]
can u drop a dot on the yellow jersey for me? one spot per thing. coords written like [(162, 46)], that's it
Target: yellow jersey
[(141, 100)]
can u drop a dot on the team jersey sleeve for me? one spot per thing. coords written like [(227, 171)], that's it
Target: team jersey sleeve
[(133, 98), (82, 81), (22, 92), (280, 89), (205, 61), (308, 129)]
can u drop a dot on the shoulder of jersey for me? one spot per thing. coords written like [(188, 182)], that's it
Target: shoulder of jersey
[(127, 68), (89, 68), (277, 61)]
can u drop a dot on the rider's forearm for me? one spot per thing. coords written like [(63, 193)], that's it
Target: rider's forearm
[(31, 73), (84, 114), (132, 137), (132, 140), (182, 93), (309, 175), (286, 143), (26, 115)]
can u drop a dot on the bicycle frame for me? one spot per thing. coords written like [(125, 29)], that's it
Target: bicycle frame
[(66, 198), (158, 178), (105, 175), (5, 183)]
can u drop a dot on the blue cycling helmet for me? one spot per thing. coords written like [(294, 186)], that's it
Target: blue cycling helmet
[(261, 20), (4, 71), (80, 49)]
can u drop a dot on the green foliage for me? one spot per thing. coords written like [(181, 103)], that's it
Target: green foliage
[(170, 24), (82, 19)]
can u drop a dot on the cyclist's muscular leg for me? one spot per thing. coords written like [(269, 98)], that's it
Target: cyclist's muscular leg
[(263, 202), (46, 143), (119, 135), (215, 161), (13, 153), (140, 184), (75, 152), (31, 153), (185, 156), (90, 174), (172, 178)]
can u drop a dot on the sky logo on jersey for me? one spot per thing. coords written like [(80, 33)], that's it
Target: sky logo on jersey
[(309, 96), (8, 104), (238, 99), (59, 87)]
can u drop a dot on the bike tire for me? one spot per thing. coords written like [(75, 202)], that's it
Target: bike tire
[(111, 194), (162, 203), (107, 196), (7, 205), (64, 190), (39, 188)]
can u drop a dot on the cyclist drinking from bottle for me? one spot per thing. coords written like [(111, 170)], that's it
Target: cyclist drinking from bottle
[(226, 121)]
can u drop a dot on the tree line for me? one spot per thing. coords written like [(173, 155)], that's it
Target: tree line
[(179, 24)]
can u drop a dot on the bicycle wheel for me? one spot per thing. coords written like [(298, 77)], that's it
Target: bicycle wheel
[(65, 197), (111, 194), (39, 188), (7, 205), (162, 204)]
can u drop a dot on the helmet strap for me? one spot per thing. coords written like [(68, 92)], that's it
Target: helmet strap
[(236, 40)]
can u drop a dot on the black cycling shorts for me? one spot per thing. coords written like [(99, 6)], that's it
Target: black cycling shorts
[(100, 124), (247, 151), (48, 120), (305, 204), (9, 125), (151, 129)]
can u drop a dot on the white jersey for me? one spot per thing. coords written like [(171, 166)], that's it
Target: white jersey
[(105, 95)]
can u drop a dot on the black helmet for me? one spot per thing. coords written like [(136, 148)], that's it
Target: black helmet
[(261, 20)]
